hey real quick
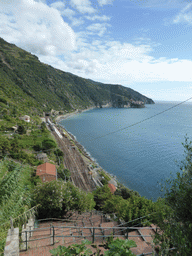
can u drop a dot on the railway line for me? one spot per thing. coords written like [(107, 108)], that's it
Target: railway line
[(73, 160)]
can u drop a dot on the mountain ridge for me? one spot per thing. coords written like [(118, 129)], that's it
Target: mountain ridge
[(27, 83)]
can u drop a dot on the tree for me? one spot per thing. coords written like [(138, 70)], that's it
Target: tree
[(48, 144), (4, 146), (56, 198), (177, 228), (59, 155), (50, 197), (43, 127), (21, 129), (58, 152), (101, 195), (63, 173), (126, 193)]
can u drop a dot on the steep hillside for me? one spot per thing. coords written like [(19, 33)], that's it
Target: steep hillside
[(28, 84)]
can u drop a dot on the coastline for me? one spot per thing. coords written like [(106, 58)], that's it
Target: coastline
[(92, 163), (67, 115)]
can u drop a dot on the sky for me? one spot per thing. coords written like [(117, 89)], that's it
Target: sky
[(142, 44)]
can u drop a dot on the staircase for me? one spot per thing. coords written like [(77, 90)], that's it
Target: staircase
[(93, 226), (143, 236)]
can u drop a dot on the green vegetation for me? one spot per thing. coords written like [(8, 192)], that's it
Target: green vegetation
[(29, 139), (74, 249), (177, 226), (63, 174), (125, 192), (104, 177), (116, 247), (119, 247), (130, 208), (16, 185), (56, 198)]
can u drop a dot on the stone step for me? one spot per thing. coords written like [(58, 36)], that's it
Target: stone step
[(135, 236), (147, 234), (111, 231), (142, 247), (73, 232)]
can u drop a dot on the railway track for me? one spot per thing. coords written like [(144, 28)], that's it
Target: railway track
[(74, 162)]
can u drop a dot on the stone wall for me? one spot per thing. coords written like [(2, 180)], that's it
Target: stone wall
[(12, 243), (27, 232)]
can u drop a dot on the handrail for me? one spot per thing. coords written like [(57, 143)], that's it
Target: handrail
[(125, 223), (75, 227), (94, 232), (55, 233), (92, 235), (47, 219), (2, 224)]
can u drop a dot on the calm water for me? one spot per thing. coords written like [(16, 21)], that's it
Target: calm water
[(140, 156)]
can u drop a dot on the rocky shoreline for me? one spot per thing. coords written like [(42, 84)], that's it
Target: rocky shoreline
[(91, 163)]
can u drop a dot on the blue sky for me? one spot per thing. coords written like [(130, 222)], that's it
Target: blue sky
[(142, 44)]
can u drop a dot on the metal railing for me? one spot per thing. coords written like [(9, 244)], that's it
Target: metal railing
[(55, 233), (91, 233)]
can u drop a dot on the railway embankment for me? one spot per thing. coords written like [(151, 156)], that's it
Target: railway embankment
[(85, 172)]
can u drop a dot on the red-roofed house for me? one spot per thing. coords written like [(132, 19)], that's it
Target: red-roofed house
[(112, 188), (47, 172)]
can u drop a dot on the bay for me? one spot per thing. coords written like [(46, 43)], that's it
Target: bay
[(141, 154)]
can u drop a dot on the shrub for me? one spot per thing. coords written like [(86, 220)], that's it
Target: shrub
[(21, 129), (48, 144), (3, 100), (117, 247), (56, 198), (63, 174), (74, 249), (126, 193), (178, 197), (120, 247), (58, 152)]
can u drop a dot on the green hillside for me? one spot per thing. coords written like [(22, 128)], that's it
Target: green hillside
[(26, 84)]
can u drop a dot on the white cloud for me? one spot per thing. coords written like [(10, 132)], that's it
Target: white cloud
[(35, 27), (83, 6), (97, 17), (97, 28), (77, 22), (68, 13), (113, 62), (126, 65), (42, 1), (185, 15), (40, 29), (104, 2), (58, 5)]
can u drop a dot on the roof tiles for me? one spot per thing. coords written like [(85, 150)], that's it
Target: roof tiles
[(46, 168)]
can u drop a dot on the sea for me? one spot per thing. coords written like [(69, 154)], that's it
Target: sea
[(141, 147)]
